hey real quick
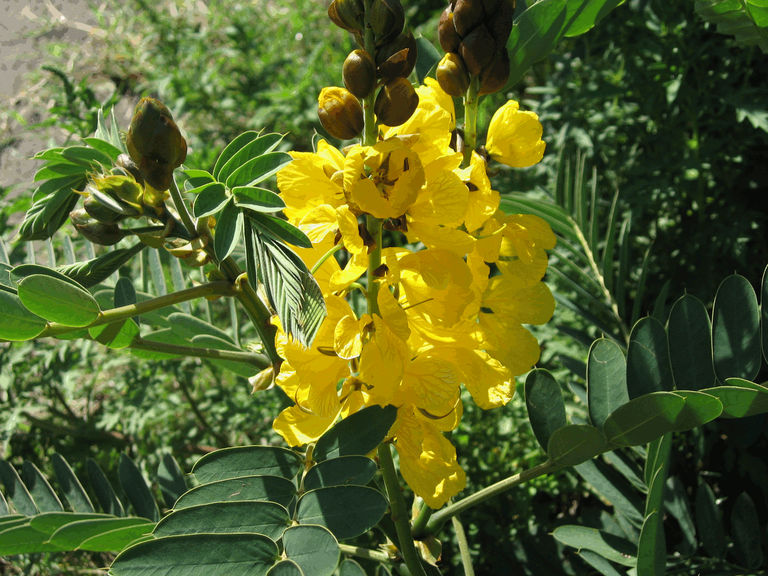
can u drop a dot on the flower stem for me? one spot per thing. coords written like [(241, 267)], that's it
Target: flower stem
[(369, 130), (461, 536), (365, 553), (425, 513), (470, 121), (441, 516), (399, 512), (258, 361), (325, 257)]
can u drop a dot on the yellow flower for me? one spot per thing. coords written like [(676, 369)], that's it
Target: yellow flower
[(514, 137), (482, 202), (325, 220)]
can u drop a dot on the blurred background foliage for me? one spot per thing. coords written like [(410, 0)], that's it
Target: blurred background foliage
[(659, 108)]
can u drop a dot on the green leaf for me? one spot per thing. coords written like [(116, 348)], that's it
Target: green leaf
[(746, 532), (690, 345), (115, 335), (24, 539), (197, 179), (216, 554), (16, 491), (588, 13), (258, 169), (257, 199), (229, 230), (351, 568), (232, 148), (74, 493), (170, 479), (343, 471), (652, 550), (111, 151), (280, 230), (156, 272), (239, 368), (90, 158), (739, 402), (260, 488), (313, 548), (265, 518), (39, 489), (285, 568), (736, 330), (598, 563), (748, 22), (657, 457), (106, 496), (610, 547), (545, 404), (764, 313), (49, 522), (210, 199), (247, 461), (427, 57), (709, 522), (49, 212), (643, 419), (72, 535), (330, 507), (164, 336), (135, 487), (614, 488), (699, 409), (574, 444), (117, 539), (18, 273), (648, 368), (16, 322), (95, 271), (188, 327), (10, 520), (606, 380), (58, 301), (57, 170), (252, 150), (678, 505), (125, 295), (358, 434)]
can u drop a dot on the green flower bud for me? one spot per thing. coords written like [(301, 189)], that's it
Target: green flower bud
[(155, 143), (468, 15), (340, 113), (477, 49), (128, 167), (452, 75), (359, 73), (495, 75), (347, 14), (398, 58), (387, 20), (396, 102), (119, 194), (446, 32), (101, 213), (104, 234)]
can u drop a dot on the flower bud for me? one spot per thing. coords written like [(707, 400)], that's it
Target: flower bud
[(104, 234), (128, 167), (468, 15), (340, 113), (359, 73), (119, 194), (192, 252), (101, 213), (398, 58), (452, 75), (500, 24), (387, 20), (446, 32), (348, 15), (264, 380), (495, 75), (477, 49), (155, 143), (396, 102)]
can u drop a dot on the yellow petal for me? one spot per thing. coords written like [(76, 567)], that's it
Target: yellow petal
[(443, 201), (447, 422), (299, 427), (451, 239), (514, 137), (319, 223), (393, 314), (347, 340), (527, 305), (512, 344), (355, 268), (430, 383), (350, 235), (382, 362), (524, 234)]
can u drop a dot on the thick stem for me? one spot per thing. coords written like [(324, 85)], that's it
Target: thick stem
[(125, 312), (420, 524), (470, 121), (461, 536), (258, 361), (399, 512), (441, 516), (365, 553)]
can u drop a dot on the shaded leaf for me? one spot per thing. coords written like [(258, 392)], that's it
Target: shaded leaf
[(341, 471), (247, 461), (574, 444), (709, 522), (652, 550), (607, 545), (606, 380), (259, 488), (358, 434), (643, 419), (135, 487), (106, 496), (690, 345), (313, 548), (170, 479), (330, 507), (16, 491), (648, 367), (735, 330), (39, 489)]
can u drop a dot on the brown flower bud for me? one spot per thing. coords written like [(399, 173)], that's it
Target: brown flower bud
[(396, 102), (468, 15), (347, 14), (155, 142), (490, 7), (446, 32), (340, 113), (452, 75), (359, 73), (387, 20), (398, 58), (500, 24), (128, 167), (105, 234), (495, 75), (477, 49)]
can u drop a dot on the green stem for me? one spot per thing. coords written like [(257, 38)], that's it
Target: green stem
[(374, 261), (125, 312), (441, 516), (421, 520), (470, 121), (399, 512), (325, 257), (365, 553), (258, 361), (370, 131), (461, 536)]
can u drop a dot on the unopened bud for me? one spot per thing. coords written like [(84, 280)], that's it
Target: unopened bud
[(264, 380), (155, 143), (127, 167), (398, 58), (348, 15), (477, 49), (192, 252), (359, 73), (340, 113), (500, 24), (446, 32), (495, 75), (452, 75), (467, 15), (120, 194), (396, 102), (387, 20), (104, 234)]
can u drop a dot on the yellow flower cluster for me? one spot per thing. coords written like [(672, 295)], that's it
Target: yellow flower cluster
[(440, 321)]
